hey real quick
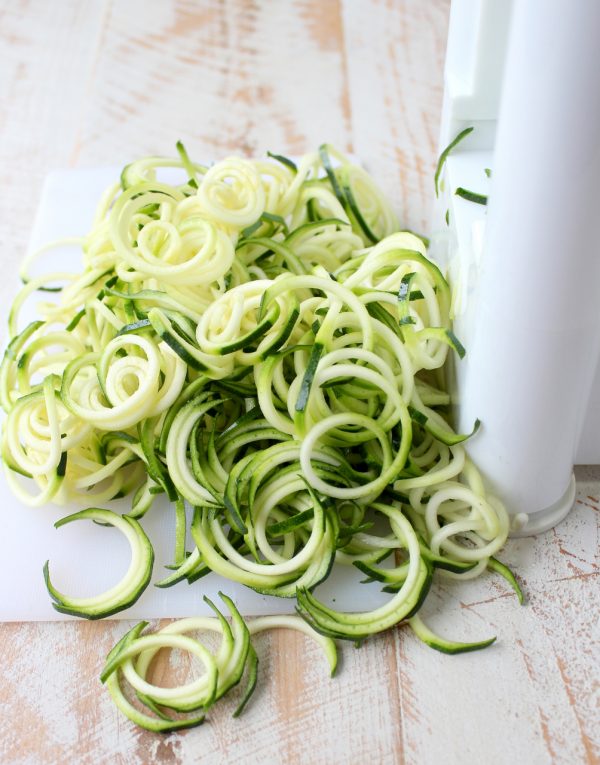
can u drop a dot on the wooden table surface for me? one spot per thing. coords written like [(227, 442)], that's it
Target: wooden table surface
[(99, 82)]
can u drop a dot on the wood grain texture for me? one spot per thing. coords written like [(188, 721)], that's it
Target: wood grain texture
[(41, 99), (99, 82), (238, 77), (395, 59)]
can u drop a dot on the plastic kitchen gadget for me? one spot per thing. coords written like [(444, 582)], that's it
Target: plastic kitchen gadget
[(525, 268)]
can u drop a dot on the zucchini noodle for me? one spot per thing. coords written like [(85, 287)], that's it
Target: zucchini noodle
[(261, 341), (128, 666)]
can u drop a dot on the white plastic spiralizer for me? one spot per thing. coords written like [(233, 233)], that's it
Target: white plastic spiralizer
[(525, 267)]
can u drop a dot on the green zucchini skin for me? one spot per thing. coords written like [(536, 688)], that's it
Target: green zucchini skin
[(427, 636), (444, 156), (131, 587), (501, 568), (471, 196)]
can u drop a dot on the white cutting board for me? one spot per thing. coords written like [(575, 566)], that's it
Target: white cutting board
[(86, 558)]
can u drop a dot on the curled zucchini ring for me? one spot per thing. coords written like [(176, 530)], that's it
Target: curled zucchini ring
[(130, 660), (128, 589)]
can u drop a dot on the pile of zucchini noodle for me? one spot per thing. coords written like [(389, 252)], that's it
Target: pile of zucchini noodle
[(260, 341), (235, 659)]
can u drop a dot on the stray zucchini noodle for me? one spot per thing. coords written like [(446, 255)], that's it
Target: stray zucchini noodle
[(260, 341), (128, 664)]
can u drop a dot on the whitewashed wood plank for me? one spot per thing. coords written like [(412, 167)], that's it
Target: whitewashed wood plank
[(238, 77), (532, 697), (301, 716), (41, 95), (395, 57), (298, 714)]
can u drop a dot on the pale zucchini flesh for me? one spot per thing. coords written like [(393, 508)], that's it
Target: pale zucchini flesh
[(262, 342)]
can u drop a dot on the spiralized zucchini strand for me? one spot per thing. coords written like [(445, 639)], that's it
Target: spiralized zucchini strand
[(260, 340)]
